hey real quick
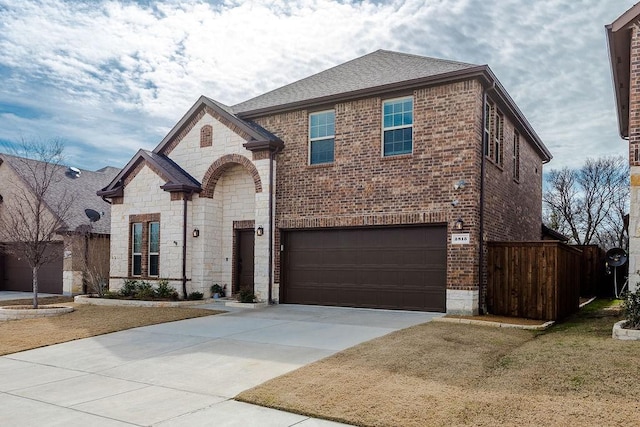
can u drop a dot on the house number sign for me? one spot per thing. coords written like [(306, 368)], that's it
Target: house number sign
[(460, 239)]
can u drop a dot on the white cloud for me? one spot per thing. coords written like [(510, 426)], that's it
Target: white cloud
[(115, 76)]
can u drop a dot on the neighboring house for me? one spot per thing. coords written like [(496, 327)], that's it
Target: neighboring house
[(379, 176), (78, 242), (624, 42)]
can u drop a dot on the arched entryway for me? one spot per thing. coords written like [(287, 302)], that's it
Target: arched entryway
[(230, 188)]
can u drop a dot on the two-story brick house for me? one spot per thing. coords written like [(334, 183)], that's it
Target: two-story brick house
[(624, 53), (369, 184)]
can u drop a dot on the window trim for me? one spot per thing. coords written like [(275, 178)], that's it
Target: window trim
[(143, 221), (323, 138), (391, 128)]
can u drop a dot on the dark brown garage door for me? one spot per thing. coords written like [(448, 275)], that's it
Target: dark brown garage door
[(16, 274), (395, 268)]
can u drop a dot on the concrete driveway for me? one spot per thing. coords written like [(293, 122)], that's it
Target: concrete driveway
[(183, 373)]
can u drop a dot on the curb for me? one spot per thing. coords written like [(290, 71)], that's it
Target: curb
[(493, 324), (27, 312), (84, 299)]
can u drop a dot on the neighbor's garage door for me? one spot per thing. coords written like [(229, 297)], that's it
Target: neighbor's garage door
[(395, 268), (16, 274)]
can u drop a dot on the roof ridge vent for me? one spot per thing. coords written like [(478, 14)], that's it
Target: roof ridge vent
[(73, 172)]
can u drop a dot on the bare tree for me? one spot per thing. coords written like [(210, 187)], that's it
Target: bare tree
[(589, 204), (31, 214)]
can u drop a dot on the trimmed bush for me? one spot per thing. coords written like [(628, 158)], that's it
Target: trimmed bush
[(246, 295), (195, 295), (128, 289)]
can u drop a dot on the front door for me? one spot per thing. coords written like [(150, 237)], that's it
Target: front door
[(244, 259)]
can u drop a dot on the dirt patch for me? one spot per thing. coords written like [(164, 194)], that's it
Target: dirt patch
[(450, 374), (85, 321)]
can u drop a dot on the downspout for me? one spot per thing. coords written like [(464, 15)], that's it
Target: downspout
[(270, 285), (271, 222), (184, 245)]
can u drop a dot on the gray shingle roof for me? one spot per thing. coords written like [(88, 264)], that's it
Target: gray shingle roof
[(82, 188), (177, 179), (377, 69)]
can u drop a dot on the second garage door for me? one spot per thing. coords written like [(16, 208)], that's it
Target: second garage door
[(391, 267), (16, 275)]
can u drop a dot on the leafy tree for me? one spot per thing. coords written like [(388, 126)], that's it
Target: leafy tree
[(589, 204), (34, 209)]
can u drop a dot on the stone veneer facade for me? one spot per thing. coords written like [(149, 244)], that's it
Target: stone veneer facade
[(360, 188)]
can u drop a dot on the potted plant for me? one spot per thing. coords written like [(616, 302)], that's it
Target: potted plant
[(217, 291)]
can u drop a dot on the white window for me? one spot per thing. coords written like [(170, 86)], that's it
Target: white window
[(397, 126), (321, 137)]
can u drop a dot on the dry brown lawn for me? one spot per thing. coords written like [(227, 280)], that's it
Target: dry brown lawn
[(449, 374), (86, 321)]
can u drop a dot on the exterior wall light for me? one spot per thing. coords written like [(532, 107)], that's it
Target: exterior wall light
[(459, 224), (196, 232), (259, 231)]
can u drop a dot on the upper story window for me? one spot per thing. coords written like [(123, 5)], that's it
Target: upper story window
[(493, 133), (488, 114), (321, 137), (497, 138), (397, 126), (516, 156)]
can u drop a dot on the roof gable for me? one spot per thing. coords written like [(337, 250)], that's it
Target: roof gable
[(176, 178), (248, 131)]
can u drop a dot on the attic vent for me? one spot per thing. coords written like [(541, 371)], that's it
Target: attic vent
[(73, 172)]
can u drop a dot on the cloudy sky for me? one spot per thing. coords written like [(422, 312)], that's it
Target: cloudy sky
[(109, 77)]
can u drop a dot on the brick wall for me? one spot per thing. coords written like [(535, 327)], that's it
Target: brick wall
[(361, 187), (513, 208)]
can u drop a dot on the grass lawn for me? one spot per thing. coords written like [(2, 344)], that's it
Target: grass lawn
[(449, 374), (86, 321)]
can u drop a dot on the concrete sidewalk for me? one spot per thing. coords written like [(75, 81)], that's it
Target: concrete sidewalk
[(183, 373), (11, 295)]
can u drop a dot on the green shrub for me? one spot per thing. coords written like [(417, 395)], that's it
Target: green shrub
[(631, 309), (129, 288), (145, 290), (217, 289), (195, 295), (246, 295), (165, 290)]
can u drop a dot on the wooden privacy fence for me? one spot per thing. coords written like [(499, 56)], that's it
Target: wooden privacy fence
[(536, 280), (592, 270)]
